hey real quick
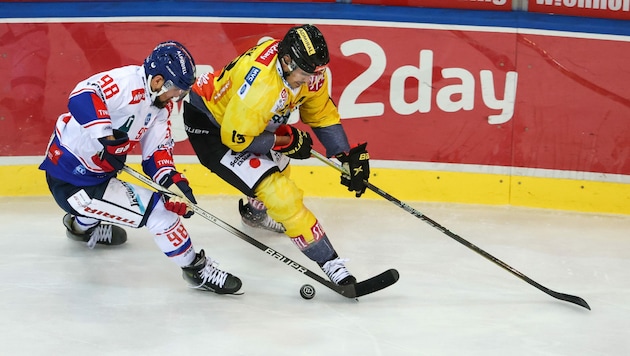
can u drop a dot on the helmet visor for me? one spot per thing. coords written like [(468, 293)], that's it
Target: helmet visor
[(173, 91)]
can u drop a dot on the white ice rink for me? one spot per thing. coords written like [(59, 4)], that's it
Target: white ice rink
[(59, 298)]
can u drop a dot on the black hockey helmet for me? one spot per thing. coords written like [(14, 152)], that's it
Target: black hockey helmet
[(307, 48)]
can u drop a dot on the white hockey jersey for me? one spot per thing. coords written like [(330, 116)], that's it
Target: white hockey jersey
[(115, 99)]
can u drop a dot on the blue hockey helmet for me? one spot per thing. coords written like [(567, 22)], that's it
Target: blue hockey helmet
[(172, 61)]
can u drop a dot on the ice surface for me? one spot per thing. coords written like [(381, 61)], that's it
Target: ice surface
[(59, 298)]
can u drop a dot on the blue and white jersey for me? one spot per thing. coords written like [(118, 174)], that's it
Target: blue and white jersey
[(115, 99)]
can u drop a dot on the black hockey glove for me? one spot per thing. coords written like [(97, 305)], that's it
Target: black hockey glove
[(178, 184), (300, 145), (114, 154), (357, 163)]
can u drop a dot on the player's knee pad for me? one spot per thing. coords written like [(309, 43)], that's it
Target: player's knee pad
[(284, 202), (118, 202)]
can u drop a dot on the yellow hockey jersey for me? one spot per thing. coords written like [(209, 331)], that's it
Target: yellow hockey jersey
[(250, 95)]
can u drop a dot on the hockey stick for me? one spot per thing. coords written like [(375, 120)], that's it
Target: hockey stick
[(356, 290), (566, 297)]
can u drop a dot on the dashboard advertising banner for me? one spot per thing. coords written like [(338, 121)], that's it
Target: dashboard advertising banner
[(505, 5), (611, 9), (428, 94)]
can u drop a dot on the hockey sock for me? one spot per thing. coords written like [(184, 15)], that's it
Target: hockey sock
[(319, 251), (82, 224)]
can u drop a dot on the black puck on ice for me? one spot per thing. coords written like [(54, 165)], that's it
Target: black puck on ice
[(307, 291)]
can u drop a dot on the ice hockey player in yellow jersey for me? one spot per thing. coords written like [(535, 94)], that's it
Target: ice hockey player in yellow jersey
[(236, 121)]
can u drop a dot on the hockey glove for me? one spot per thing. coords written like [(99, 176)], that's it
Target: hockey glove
[(178, 184), (300, 145), (114, 154), (357, 163)]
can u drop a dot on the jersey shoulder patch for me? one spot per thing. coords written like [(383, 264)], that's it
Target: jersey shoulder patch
[(268, 53)]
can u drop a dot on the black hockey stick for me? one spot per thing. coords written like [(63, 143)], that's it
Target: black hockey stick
[(356, 290), (566, 297)]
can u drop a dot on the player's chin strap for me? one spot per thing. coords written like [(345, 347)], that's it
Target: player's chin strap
[(566, 297), (154, 94)]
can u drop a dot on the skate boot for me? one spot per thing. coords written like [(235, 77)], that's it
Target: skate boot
[(258, 218), (203, 274), (104, 234), (336, 270)]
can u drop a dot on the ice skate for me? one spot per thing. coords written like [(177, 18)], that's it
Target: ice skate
[(336, 270), (104, 234), (258, 218), (203, 274)]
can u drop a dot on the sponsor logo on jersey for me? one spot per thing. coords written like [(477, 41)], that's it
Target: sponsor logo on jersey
[(137, 95), (54, 153), (79, 170), (249, 80), (147, 119), (308, 45), (141, 133), (243, 90), (219, 94), (251, 75), (240, 158), (268, 54), (316, 82), (278, 107), (163, 159)]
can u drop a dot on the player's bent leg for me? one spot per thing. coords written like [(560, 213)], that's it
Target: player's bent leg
[(198, 271), (92, 208), (284, 202)]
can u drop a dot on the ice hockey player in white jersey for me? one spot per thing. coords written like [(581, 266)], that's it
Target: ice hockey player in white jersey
[(109, 114)]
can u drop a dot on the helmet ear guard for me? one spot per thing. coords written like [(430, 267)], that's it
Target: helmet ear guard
[(306, 47)]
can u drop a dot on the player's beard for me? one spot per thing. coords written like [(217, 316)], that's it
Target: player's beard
[(159, 103)]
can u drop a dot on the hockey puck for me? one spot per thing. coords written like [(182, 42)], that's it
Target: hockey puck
[(307, 291)]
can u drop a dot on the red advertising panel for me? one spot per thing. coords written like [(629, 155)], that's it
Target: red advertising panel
[(611, 9), (436, 94), (505, 5)]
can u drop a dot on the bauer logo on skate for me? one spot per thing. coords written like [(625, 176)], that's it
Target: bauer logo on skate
[(286, 260)]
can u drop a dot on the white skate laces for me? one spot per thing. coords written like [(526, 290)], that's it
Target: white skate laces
[(102, 232), (211, 273), (336, 269)]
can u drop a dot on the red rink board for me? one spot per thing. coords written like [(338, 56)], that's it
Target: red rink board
[(413, 94)]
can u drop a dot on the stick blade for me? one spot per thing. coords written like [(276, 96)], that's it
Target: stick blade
[(376, 283), (570, 298)]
